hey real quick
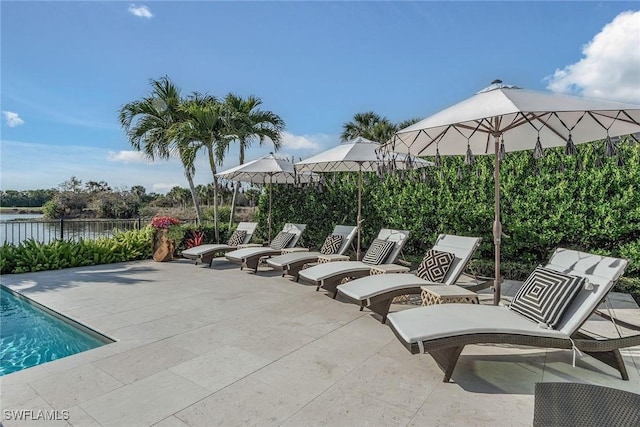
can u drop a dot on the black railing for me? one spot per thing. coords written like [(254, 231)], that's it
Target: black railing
[(45, 231), (64, 229)]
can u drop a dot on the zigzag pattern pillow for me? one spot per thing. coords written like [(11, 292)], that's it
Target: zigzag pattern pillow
[(332, 244), (435, 265), (378, 252), (237, 238), (545, 295), (281, 240)]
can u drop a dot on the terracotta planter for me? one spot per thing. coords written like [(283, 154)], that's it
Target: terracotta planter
[(163, 247)]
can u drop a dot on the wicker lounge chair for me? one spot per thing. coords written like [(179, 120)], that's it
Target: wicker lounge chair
[(329, 275), (584, 405), (250, 257), (292, 263), (204, 254), (378, 291), (444, 330)]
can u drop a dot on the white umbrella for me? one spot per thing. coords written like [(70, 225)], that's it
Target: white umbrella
[(360, 155), (516, 119), (268, 169)]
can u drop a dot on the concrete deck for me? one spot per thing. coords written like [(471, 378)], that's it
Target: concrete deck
[(199, 346)]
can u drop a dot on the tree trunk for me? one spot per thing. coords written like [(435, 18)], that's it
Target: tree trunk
[(212, 164), (233, 204), (194, 196), (235, 187)]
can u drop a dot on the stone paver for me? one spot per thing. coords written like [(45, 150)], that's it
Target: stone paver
[(199, 346)]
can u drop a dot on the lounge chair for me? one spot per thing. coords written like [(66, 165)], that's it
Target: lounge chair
[(584, 405), (378, 291), (292, 263), (329, 275), (250, 257), (204, 254), (444, 330)]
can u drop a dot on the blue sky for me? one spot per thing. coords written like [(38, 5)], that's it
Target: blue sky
[(67, 67)]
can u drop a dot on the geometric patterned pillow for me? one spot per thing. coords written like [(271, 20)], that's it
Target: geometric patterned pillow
[(331, 244), (435, 265), (545, 296), (378, 252), (237, 238), (281, 240)]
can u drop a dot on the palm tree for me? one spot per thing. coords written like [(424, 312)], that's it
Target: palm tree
[(368, 125), (203, 127), (246, 123), (406, 123), (148, 122), (373, 127)]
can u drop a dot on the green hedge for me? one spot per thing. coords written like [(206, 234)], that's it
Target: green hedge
[(546, 203)]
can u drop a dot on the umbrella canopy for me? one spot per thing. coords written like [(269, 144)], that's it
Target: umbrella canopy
[(266, 170), (504, 118), (361, 155)]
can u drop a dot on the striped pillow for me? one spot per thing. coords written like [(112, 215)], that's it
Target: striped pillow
[(435, 265), (331, 244), (545, 296), (281, 240), (237, 238), (378, 252)]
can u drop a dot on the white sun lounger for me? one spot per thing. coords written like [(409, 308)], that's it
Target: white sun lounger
[(250, 257), (378, 291), (329, 275), (204, 254), (444, 330), (292, 263)]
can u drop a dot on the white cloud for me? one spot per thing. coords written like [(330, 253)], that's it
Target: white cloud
[(610, 68), (298, 142), (140, 11), (12, 119), (125, 156), (163, 188)]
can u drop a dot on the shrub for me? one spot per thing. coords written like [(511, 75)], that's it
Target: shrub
[(31, 255)]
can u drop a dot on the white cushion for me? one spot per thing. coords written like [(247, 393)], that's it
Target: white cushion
[(450, 320), (366, 287)]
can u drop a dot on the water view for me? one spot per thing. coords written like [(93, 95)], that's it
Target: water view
[(18, 217)]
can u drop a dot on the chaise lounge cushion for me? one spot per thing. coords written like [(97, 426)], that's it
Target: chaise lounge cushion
[(450, 320), (237, 238), (435, 265), (281, 240), (378, 252), (546, 295), (332, 244)]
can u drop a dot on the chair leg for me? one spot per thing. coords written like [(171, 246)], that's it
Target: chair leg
[(612, 358), (381, 308), (447, 358)]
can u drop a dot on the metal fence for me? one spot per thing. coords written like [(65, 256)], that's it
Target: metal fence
[(64, 229), (46, 231)]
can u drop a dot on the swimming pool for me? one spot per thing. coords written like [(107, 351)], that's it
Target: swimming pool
[(31, 334)]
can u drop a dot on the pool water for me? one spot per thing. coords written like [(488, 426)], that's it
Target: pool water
[(30, 336)]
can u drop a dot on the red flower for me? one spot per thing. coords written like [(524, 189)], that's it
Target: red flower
[(164, 222)]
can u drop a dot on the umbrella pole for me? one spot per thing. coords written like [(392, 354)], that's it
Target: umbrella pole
[(359, 220), (497, 226), (270, 197)]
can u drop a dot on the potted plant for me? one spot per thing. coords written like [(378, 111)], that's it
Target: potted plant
[(167, 231)]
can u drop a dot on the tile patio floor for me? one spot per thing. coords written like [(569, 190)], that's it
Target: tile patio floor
[(200, 346)]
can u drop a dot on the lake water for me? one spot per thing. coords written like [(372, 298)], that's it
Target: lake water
[(12, 217)]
